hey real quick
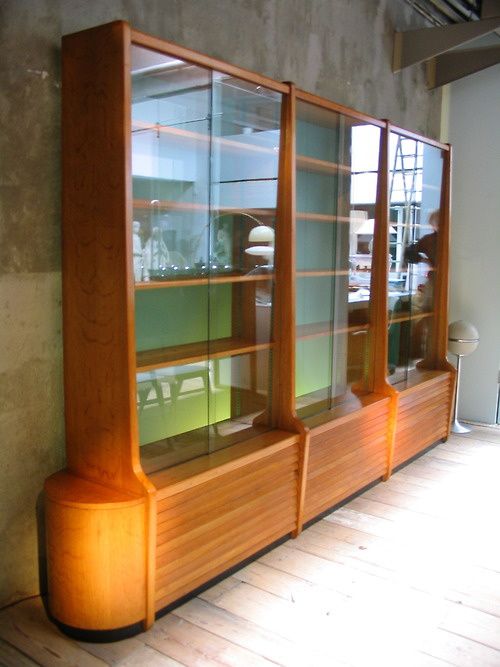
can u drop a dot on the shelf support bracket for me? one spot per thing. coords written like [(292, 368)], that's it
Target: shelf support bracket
[(416, 46), (449, 67)]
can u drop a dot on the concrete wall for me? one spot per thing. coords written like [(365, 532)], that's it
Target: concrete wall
[(475, 247), (337, 48)]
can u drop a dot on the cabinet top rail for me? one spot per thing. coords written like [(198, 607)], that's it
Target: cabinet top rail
[(408, 134), (143, 39), (200, 59)]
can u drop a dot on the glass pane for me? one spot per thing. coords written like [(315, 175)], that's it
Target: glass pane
[(239, 398), (337, 171), (171, 110), (244, 187), (415, 200), (172, 405), (205, 154), (171, 126)]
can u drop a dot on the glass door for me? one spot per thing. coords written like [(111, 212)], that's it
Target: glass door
[(415, 183), (336, 182), (205, 153)]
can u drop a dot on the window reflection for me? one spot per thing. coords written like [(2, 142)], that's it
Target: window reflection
[(415, 198)]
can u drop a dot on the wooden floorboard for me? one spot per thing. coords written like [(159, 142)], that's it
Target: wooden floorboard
[(407, 574)]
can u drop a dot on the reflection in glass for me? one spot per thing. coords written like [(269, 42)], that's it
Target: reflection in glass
[(415, 200), (205, 154), (337, 170)]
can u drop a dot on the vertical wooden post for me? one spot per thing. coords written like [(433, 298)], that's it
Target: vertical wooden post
[(379, 278), (98, 282), (379, 304), (442, 282), (284, 413)]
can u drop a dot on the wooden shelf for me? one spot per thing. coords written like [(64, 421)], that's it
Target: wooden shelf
[(417, 376), (409, 317), (306, 163), (205, 280), (192, 353), (319, 329), (342, 412), (319, 274), (186, 475), (182, 136), (173, 205), (322, 217)]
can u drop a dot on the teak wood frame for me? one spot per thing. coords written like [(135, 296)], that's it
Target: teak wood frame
[(123, 545)]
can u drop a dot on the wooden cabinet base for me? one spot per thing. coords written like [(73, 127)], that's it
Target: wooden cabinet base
[(96, 555), (345, 455), (423, 415)]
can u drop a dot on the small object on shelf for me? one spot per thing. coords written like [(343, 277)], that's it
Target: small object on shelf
[(463, 339), (156, 254), (171, 271), (137, 251), (260, 251)]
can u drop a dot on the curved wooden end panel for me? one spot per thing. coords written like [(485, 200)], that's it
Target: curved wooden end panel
[(96, 554)]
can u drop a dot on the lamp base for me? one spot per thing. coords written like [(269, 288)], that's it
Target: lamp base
[(457, 427)]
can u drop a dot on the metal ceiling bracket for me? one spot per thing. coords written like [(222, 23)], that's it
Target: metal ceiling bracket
[(449, 67), (415, 46)]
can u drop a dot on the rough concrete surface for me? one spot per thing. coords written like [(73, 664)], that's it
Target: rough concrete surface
[(337, 48)]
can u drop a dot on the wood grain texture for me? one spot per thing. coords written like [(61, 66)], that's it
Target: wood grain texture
[(406, 574), (98, 301), (99, 346), (423, 416), (337, 108), (96, 556), (208, 526), (346, 457), (191, 353)]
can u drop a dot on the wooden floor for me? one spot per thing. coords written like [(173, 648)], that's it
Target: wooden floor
[(406, 574)]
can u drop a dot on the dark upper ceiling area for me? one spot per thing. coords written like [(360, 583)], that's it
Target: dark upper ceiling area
[(444, 12)]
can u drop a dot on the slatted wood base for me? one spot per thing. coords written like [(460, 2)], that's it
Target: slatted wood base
[(345, 455), (423, 416), (216, 521), (404, 575)]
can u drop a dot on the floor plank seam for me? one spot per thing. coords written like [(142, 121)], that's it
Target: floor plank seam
[(470, 639), (26, 655)]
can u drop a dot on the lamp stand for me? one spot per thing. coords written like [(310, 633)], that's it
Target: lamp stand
[(456, 426)]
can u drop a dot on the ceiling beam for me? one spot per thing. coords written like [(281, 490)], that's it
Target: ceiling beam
[(415, 46), (449, 67)]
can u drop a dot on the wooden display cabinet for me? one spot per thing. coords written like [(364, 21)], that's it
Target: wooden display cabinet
[(226, 324)]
